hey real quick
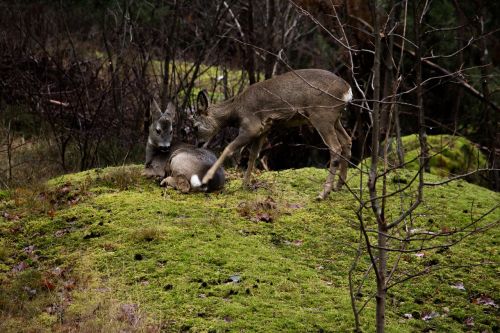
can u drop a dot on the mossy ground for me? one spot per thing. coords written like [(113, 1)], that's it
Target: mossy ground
[(108, 251), (449, 156)]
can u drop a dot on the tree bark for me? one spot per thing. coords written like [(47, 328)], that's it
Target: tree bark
[(270, 37), (250, 36), (377, 211), (424, 154)]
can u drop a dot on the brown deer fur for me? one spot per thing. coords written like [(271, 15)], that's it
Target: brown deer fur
[(313, 96)]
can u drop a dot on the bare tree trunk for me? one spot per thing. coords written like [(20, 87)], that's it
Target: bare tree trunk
[(399, 142), (379, 214), (10, 141), (169, 48), (270, 38), (385, 125), (250, 36), (462, 21), (395, 19), (490, 119), (424, 154)]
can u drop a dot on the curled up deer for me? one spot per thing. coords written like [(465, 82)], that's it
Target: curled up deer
[(311, 96), (178, 165)]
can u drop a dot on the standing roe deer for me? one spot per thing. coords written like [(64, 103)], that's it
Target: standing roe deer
[(179, 165), (313, 96)]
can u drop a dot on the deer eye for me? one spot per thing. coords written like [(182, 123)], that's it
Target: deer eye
[(158, 131)]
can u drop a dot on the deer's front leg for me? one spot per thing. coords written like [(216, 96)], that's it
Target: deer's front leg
[(254, 153), (237, 143)]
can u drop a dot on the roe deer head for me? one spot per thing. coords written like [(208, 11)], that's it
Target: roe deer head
[(179, 165)]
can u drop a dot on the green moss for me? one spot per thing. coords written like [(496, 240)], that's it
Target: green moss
[(449, 156), (128, 255)]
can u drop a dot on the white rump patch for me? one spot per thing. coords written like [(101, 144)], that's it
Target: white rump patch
[(195, 181), (347, 96)]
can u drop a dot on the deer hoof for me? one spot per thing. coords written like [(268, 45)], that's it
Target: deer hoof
[(167, 181), (182, 184), (338, 187), (322, 196)]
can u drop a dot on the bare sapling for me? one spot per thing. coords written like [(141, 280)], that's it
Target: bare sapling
[(307, 96), (176, 164)]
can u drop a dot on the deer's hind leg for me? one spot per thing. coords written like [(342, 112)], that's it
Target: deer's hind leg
[(346, 144), (329, 135), (178, 182)]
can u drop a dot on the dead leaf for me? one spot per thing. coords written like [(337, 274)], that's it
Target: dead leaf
[(20, 267), (269, 203), (16, 228), (66, 188), (258, 211), (295, 206), (255, 184), (57, 271), (485, 300), (10, 217), (29, 249), (128, 313), (31, 292), (74, 201), (264, 217), (469, 322), (430, 315), (69, 285), (445, 230), (48, 284), (61, 232), (234, 279), (458, 285), (51, 213)]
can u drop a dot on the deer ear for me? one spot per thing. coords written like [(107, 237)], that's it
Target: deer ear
[(170, 111), (202, 102), (155, 111)]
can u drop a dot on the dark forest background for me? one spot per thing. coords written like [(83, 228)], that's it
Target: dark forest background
[(77, 78)]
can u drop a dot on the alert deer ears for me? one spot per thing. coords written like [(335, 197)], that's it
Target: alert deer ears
[(170, 112), (202, 102), (155, 111)]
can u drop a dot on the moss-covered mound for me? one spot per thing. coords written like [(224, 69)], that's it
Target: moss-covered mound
[(450, 156), (108, 251)]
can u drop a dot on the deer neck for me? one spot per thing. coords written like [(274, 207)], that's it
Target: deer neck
[(222, 113)]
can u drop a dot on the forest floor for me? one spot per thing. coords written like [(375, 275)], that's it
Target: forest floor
[(108, 251)]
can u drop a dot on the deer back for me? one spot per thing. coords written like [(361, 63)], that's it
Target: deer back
[(193, 163), (285, 97)]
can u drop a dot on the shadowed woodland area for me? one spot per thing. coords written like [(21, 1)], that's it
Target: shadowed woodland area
[(89, 244), (78, 77)]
